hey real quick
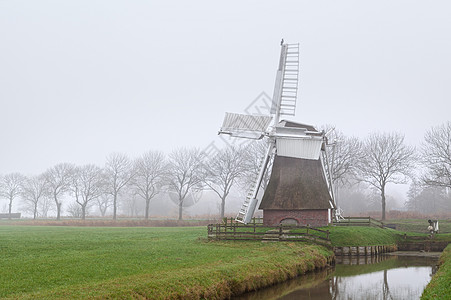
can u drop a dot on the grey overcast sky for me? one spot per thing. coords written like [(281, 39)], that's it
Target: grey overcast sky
[(82, 79)]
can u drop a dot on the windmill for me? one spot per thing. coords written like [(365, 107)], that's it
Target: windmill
[(291, 148)]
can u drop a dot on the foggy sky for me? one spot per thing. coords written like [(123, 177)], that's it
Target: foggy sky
[(82, 79)]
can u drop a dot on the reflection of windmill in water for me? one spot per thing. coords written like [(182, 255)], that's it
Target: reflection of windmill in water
[(299, 190)]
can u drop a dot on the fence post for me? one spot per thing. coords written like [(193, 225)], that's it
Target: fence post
[(308, 226), (234, 232), (280, 232)]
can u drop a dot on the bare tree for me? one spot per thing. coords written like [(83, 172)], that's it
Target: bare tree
[(104, 202), (131, 204), (74, 210), (385, 159), (118, 173), (149, 171), (185, 174), (254, 153), (223, 170), (343, 156), (33, 190), (11, 188), (86, 186), (58, 180), (44, 206), (436, 156), (428, 199)]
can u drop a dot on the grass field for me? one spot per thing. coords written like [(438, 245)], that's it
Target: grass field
[(362, 236), (48, 262), (84, 262), (440, 285)]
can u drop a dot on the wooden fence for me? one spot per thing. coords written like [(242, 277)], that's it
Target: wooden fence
[(256, 231), (359, 221)]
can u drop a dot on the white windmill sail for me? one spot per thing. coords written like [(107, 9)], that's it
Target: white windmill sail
[(283, 103), (257, 127), (245, 126), (287, 80), (250, 203)]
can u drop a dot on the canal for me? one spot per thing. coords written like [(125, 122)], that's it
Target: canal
[(394, 276)]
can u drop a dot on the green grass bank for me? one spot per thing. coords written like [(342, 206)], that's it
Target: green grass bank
[(48, 262), (440, 285), (342, 236)]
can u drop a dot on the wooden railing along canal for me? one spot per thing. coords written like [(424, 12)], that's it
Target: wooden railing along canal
[(231, 230), (359, 221)]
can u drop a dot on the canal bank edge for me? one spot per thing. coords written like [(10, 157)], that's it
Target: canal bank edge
[(440, 285), (277, 271), (364, 250), (220, 280)]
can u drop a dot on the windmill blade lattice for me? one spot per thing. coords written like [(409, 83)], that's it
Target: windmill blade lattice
[(287, 81)]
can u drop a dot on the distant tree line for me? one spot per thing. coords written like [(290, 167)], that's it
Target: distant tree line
[(384, 158), (182, 173), (374, 162)]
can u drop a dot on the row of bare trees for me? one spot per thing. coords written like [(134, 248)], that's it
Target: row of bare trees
[(87, 183), (184, 172), (384, 158), (378, 160)]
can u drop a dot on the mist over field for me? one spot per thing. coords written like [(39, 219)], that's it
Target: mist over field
[(81, 81)]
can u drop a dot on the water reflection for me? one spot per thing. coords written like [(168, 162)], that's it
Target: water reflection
[(382, 277)]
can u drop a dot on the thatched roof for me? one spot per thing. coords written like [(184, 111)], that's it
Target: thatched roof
[(296, 183)]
